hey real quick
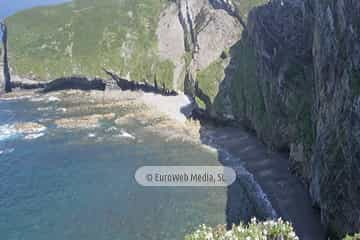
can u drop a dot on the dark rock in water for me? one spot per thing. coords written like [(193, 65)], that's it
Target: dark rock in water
[(25, 85), (81, 83), (125, 85)]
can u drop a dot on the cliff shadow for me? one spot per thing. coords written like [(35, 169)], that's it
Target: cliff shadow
[(238, 146)]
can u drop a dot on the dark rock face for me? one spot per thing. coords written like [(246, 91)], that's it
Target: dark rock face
[(6, 69), (294, 78), (81, 83), (125, 85), (24, 85), (335, 184)]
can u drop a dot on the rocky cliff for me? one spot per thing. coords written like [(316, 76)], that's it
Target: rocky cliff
[(287, 69), (137, 39), (294, 79)]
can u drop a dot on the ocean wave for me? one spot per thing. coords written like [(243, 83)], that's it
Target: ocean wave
[(34, 136), (42, 109), (37, 99), (64, 110), (91, 135), (111, 129), (53, 99), (13, 98), (7, 151), (248, 181), (8, 131), (124, 134), (28, 131)]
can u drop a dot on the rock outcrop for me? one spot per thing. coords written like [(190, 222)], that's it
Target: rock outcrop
[(80, 83), (138, 40), (5, 62), (193, 34), (125, 85), (294, 79), (335, 161)]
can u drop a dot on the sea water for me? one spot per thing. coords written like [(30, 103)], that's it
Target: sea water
[(79, 183)]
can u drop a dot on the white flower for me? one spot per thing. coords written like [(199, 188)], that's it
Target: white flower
[(209, 236), (240, 229)]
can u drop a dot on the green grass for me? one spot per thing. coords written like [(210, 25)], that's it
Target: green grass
[(245, 6), (245, 92), (210, 78), (83, 36), (354, 237)]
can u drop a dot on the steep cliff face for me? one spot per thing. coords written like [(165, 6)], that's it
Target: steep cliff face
[(294, 79), (2, 84), (335, 184), (193, 34)]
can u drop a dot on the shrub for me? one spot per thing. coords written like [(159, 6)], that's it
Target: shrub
[(268, 230), (355, 237)]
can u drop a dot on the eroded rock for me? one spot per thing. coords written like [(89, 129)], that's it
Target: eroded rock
[(89, 121)]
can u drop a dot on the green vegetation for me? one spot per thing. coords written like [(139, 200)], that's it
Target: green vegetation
[(354, 237), (83, 36), (244, 6), (270, 230), (210, 78), (300, 103), (245, 92)]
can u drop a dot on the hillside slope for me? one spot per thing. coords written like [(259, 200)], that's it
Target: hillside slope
[(83, 36), (138, 39)]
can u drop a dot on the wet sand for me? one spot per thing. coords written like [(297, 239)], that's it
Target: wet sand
[(288, 195)]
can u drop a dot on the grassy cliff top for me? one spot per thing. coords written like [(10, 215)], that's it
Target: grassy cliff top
[(83, 36)]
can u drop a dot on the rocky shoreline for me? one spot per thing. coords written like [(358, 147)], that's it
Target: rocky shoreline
[(267, 199)]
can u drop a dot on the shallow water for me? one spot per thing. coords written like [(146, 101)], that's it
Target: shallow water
[(79, 183)]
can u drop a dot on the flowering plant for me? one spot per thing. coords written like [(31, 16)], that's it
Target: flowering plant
[(255, 230)]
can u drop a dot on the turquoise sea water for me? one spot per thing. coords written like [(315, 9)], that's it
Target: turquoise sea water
[(79, 183)]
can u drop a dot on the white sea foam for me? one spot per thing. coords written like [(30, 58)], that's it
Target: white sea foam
[(7, 131), (53, 99), (111, 129), (253, 188), (209, 148), (41, 109), (37, 99), (91, 135), (14, 98), (11, 131), (61, 110), (125, 134), (33, 136), (7, 151)]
